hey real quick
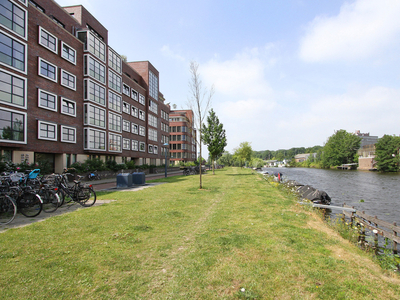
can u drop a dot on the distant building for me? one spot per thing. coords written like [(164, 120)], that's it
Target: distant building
[(182, 136), (366, 139), (303, 157)]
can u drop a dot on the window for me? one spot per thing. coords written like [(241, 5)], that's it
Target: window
[(12, 126), (68, 53), (126, 89), (142, 146), (142, 115), (135, 128), (58, 22), (134, 95), (135, 112), (152, 120), (68, 134), (142, 131), (150, 148), (68, 80), (47, 40), (94, 139), (95, 69), (47, 70), (95, 116), (153, 85), (114, 101), (135, 145), (126, 107), (126, 144), (153, 106), (114, 60), (114, 122), (31, 2), (68, 107), (114, 142), (13, 17), (142, 99), (126, 125), (12, 53), (47, 131), (94, 92), (155, 149), (114, 81), (12, 89), (152, 135), (93, 44), (47, 100)]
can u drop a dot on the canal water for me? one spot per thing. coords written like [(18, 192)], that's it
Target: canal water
[(375, 193)]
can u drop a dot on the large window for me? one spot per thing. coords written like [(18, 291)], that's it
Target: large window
[(68, 53), (47, 131), (114, 142), (12, 126), (47, 100), (114, 60), (126, 144), (93, 44), (142, 146), (114, 81), (153, 85), (142, 99), (152, 135), (68, 107), (94, 92), (142, 131), (114, 101), (114, 122), (94, 139), (13, 17), (95, 69), (47, 70), (126, 107), (95, 116), (12, 53), (135, 112), (135, 145), (153, 106), (142, 115), (126, 89), (126, 125), (135, 128), (152, 120), (47, 40), (68, 80), (68, 134), (12, 89), (134, 95)]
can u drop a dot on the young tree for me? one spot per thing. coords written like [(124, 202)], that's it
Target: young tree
[(214, 137), (199, 102), (387, 153), (243, 152)]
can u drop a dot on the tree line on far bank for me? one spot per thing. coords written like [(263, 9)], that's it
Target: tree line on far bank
[(340, 148)]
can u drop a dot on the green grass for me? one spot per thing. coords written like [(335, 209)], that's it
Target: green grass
[(174, 241)]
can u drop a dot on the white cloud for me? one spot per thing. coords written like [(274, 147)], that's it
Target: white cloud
[(166, 51), (360, 30)]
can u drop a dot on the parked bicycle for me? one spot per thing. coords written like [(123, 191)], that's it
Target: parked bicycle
[(8, 209), (94, 175), (80, 193)]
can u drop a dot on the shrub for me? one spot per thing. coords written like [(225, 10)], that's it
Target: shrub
[(130, 164)]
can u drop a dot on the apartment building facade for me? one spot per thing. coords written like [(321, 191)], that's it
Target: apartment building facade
[(67, 96), (182, 139)]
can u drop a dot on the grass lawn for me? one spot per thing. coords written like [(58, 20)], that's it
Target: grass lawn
[(238, 238)]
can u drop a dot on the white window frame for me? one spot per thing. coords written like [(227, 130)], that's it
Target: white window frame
[(134, 111), (87, 58), (135, 145), (152, 134), (114, 81), (126, 107), (46, 107), (25, 36), (150, 148), (62, 134), (49, 124), (87, 83), (49, 63), (62, 105), (111, 104), (86, 130), (153, 120), (62, 80), (25, 90), (126, 125), (155, 149), (135, 128), (110, 134), (63, 44), (142, 146), (142, 99), (101, 43), (25, 126), (134, 95), (112, 56), (111, 124), (142, 130), (25, 70), (41, 29), (87, 116), (126, 144), (153, 85), (142, 115), (128, 92)]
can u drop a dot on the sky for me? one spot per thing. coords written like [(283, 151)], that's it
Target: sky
[(286, 73)]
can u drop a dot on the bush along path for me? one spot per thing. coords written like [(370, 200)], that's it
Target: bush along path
[(237, 238)]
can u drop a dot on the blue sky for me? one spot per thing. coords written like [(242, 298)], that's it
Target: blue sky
[(286, 73)]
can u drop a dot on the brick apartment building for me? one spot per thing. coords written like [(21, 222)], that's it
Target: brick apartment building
[(66, 95), (182, 138)]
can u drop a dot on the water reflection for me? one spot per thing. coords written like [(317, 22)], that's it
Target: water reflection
[(380, 192)]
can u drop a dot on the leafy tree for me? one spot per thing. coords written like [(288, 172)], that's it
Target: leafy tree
[(387, 153), (226, 159), (243, 153), (214, 137), (341, 148)]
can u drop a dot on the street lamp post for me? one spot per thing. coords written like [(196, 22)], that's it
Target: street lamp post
[(166, 151)]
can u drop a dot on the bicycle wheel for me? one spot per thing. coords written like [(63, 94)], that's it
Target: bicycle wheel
[(86, 196), (64, 197), (8, 209), (30, 204), (51, 201)]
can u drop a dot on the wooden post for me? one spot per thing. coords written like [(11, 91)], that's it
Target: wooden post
[(352, 217), (394, 243), (376, 245)]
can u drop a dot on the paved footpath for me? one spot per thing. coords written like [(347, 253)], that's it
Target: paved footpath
[(98, 185)]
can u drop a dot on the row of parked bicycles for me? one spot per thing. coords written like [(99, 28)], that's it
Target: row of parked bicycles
[(29, 193), (193, 170)]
